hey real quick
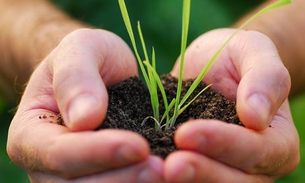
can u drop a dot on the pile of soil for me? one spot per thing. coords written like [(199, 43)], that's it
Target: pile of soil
[(129, 105)]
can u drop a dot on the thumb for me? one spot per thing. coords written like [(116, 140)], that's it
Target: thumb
[(83, 64), (264, 85)]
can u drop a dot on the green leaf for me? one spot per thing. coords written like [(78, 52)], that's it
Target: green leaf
[(185, 27), (128, 25), (209, 64), (159, 83)]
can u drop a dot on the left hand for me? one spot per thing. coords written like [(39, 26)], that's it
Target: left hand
[(249, 71)]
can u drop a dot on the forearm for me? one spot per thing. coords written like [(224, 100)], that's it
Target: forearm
[(29, 30), (286, 26)]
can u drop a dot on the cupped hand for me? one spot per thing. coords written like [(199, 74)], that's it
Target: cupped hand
[(72, 80), (249, 71)]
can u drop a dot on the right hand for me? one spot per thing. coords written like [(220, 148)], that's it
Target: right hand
[(72, 80)]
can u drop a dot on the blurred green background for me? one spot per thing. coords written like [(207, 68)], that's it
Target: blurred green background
[(161, 22)]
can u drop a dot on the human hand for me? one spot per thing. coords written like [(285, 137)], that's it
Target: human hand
[(249, 71), (72, 80)]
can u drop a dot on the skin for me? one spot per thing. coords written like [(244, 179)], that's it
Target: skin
[(63, 67), (37, 39), (50, 151), (37, 29), (236, 152), (284, 27)]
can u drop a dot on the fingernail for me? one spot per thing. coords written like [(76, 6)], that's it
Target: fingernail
[(80, 107), (128, 154), (198, 142), (153, 172), (188, 174), (261, 106)]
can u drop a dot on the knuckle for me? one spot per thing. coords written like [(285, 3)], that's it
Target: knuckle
[(53, 163)]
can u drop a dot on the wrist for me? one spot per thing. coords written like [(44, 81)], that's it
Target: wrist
[(30, 29), (284, 27), (36, 33)]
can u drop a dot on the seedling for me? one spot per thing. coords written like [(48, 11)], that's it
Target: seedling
[(152, 79)]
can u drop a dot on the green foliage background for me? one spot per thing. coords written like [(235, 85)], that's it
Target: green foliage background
[(161, 24)]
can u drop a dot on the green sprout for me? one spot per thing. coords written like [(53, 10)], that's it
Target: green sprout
[(151, 77)]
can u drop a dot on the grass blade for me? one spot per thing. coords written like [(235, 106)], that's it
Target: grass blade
[(215, 56), (128, 25), (185, 106), (159, 83), (153, 86), (184, 36)]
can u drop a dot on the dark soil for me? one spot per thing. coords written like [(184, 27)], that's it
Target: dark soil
[(129, 105)]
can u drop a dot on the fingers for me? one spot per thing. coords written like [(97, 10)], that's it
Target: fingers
[(273, 151), (150, 171), (47, 147), (95, 152), (185, 166), (83, 65)]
